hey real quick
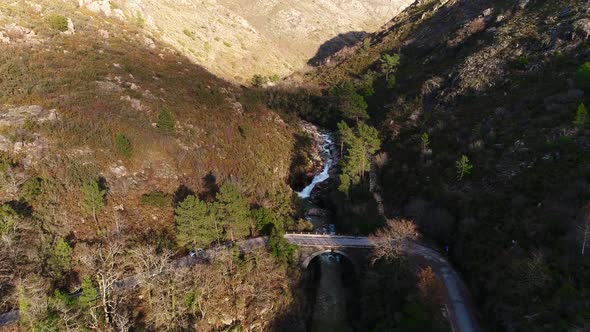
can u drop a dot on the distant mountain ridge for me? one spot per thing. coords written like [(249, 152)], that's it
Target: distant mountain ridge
[(236, 39)]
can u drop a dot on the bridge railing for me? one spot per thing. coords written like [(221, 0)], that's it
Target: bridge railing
[(323, 234)]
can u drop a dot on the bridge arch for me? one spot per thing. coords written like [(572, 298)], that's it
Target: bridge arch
[(315, 254)]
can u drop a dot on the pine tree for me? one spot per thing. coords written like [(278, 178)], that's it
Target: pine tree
[(60, 259), (233, 210), (352, 105), (360, 143), (425, 141), (582, 119), (93, 197), (166, 123), (463, 166), (194, 223), (89, 294), (389, 65)]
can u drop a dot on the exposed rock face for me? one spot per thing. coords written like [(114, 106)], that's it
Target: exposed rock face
[(17, 116), (15, 33)]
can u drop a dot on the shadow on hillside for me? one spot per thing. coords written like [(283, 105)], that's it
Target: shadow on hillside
[(335, 45), (210, 188)]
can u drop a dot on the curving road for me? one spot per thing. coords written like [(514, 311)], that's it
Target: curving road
[(458, 303)]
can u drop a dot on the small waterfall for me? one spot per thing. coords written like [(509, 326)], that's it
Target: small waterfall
[(325, 173)]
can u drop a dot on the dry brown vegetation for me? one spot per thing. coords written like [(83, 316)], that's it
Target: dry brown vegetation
[(104, 83)]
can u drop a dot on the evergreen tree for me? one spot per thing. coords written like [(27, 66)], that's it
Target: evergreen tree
[(89, 294), (366, 87), (123, 145), (425, 141), (350, 103), (582, 119), (463, 166), (93, 197), (389, 65), (583, 76), (60, 259), (280, 248), (194, 223), (166, 123), (233, 211), (267, 220), (360, 143)]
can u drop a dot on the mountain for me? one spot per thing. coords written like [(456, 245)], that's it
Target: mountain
[(238, 39), (485, 146), (104, 129)]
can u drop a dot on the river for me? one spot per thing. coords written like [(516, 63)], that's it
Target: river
[(332, 295)]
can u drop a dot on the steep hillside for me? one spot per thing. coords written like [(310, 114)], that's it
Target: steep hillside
[(238, 39), (104, 130), (485, 130)]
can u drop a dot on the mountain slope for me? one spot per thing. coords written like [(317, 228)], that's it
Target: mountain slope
[(104, 130), (501, 83), (237, 39)]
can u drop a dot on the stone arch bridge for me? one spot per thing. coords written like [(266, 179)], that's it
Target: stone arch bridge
[(462, 316)]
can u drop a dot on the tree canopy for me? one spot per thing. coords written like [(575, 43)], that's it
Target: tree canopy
[(195, 225)]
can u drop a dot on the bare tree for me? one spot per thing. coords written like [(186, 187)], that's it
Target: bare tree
[(10, 182), (389, 239)]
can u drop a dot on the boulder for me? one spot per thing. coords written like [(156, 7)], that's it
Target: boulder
[(97, 6), (582, 28)]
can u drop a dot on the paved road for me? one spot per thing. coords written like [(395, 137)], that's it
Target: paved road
[(461, 313)]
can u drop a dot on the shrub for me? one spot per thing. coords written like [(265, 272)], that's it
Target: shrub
[(31, 189), (7, 219), (139, 20), (583, 75), (157, 199), (245, 130), (259, 81), (522, 62), (58, 22), (189, 33), (123, 145), (166, 123)]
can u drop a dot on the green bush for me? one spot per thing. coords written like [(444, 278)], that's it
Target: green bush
[(156, 199), (123, 145), (58, 22), (259, 81), (7, 219), (245, 130), (31, 189), (583, 75), (166, 122)]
